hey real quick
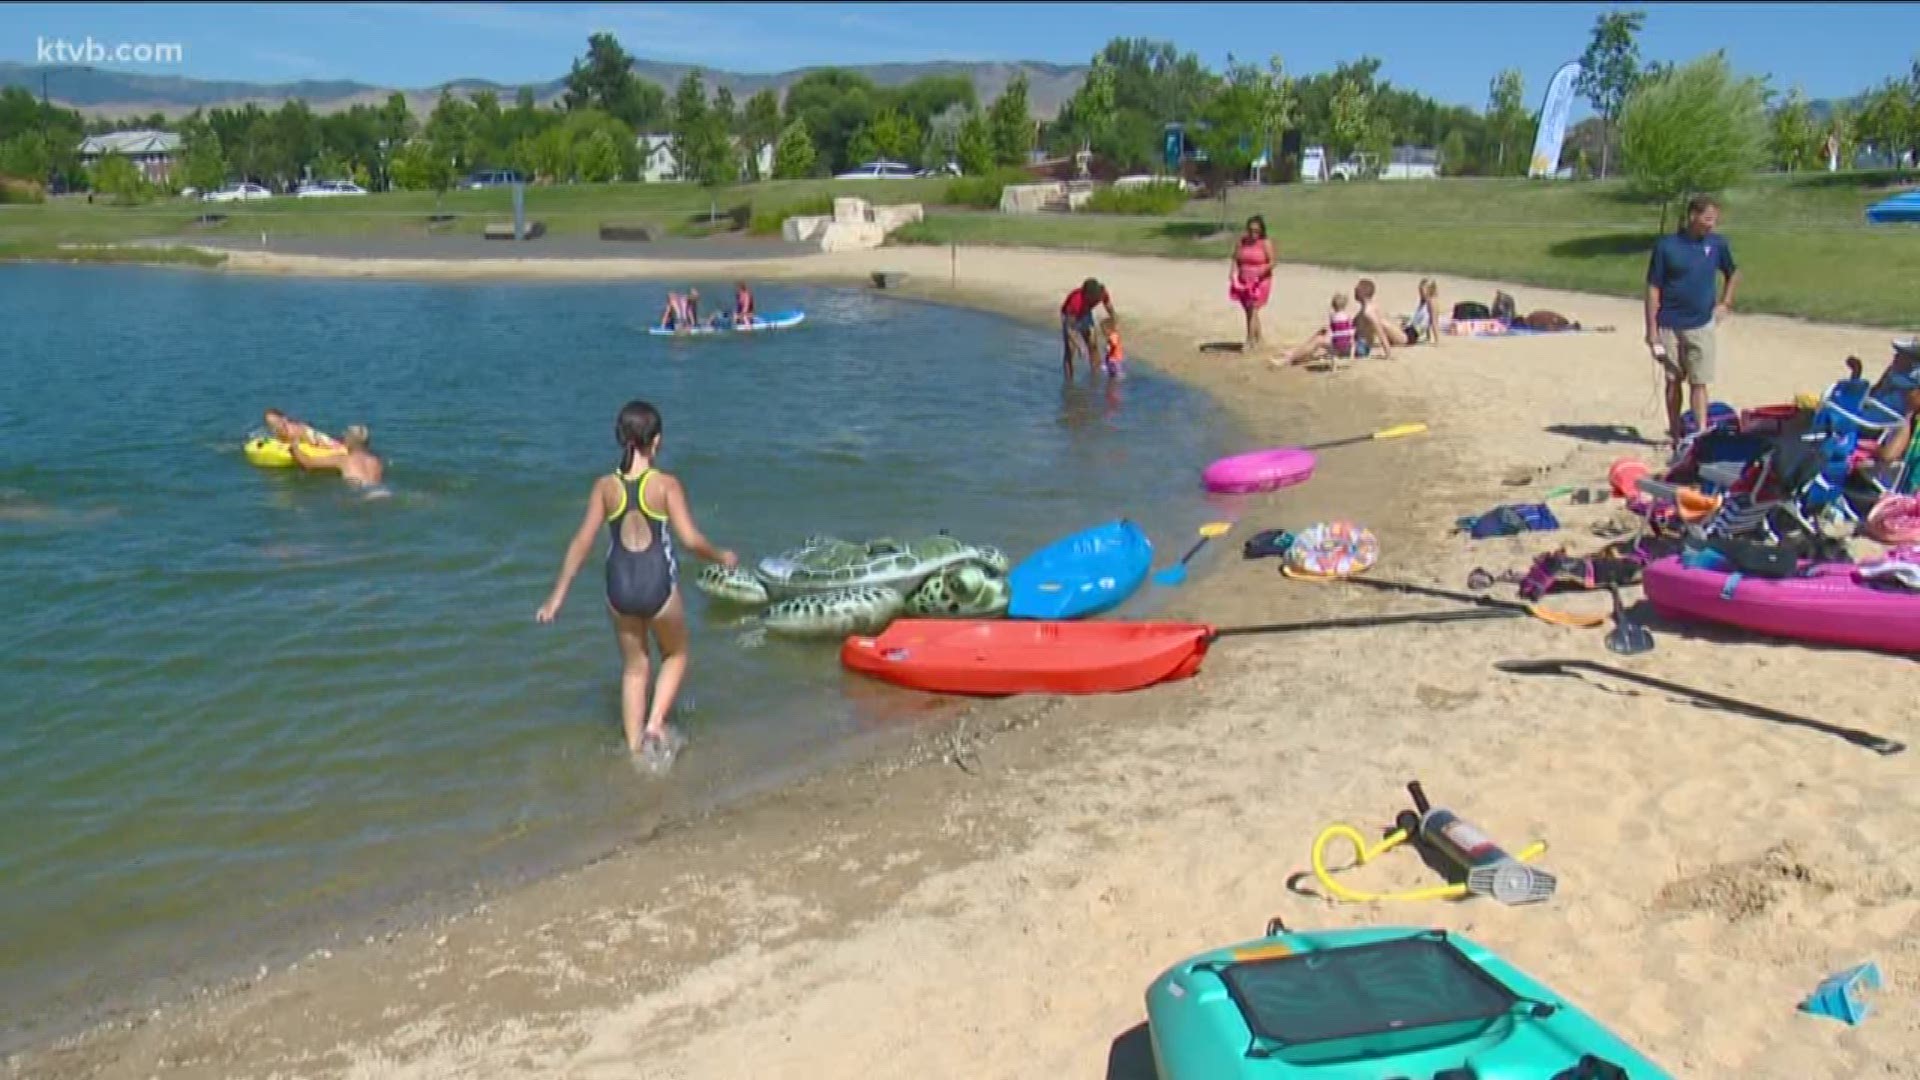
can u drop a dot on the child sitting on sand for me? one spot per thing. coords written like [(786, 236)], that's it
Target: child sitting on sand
[(1115, 357), (1334, 340), (637, 502)]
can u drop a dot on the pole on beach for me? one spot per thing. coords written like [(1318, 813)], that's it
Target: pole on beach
[(953, 266)]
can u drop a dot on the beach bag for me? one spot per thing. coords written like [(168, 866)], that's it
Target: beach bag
[(1504, 307), (1557, 571), (1549, 321), (1471, 309)]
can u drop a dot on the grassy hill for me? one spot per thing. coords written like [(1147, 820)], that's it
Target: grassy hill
[(1802, 241), (96, 91)]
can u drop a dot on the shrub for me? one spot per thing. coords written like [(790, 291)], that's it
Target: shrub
[(1157, 199), (20, 191), (769, 222), (916, 232), (983, 192)]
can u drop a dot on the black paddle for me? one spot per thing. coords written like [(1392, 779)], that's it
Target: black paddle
[(1571, 668), (1357, 622), (1558, 618)]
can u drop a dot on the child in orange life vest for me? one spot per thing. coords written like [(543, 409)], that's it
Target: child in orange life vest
[(1116, 357)]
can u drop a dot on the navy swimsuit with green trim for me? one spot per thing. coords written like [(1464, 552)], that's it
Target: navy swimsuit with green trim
[(639, 583)]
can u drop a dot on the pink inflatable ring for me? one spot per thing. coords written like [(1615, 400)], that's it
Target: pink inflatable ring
[(1262, 470)]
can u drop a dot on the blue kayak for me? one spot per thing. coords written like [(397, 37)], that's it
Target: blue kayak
[(1083, 574), (775, 320), (1370, 1003)]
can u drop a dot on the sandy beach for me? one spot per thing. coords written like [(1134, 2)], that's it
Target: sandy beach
[(993, 900)]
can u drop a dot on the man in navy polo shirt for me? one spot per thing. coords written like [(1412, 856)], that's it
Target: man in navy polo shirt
[(1684, 303)]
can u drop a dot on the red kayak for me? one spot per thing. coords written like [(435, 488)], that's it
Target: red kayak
[(1018, 656)]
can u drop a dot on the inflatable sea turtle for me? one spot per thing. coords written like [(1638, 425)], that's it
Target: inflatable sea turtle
[(831, 586)]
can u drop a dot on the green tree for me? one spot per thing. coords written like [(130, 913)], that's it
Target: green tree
[(793, 155), (974, 147), (834, 104), (1610, 69), (1794, 141), (889, 135), (1011, 122), (418, 167), (1094, 107), (759, 127), (701, 144), (1352, 119), (1506, 120), (1695, 129), (450, 130), (598, 158), (25, 156), (1887, 119), (1232, 133), (1454, 158), (114, 175), (605, 80)]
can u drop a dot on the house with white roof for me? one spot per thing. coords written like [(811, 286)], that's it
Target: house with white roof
[(152, 152)]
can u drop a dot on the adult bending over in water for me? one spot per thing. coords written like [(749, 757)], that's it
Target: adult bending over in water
[(1250, 278), (682, 311), (1076, 320), (359, 466), (636, 503)]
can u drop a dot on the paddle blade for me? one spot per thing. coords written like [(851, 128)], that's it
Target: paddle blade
[(1172, 575), (1399, 431), (1215, 528)]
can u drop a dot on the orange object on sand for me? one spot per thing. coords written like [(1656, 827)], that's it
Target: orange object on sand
[(1625, 476), (996, 657)]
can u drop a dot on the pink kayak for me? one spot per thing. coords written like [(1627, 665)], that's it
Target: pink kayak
[(1262, 470), (1828, 606)]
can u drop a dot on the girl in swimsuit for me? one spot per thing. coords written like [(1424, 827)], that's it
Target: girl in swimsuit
[(1250, 281), (636, 503), (743, 312), (1334, 340)]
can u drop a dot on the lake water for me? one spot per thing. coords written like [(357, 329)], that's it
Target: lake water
[(238, 705)]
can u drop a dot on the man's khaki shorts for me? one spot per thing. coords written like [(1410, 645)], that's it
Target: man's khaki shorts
[(1690, 354)]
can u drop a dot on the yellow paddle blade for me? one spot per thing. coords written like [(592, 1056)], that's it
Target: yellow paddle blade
[(1215, 528), (1400, 430)]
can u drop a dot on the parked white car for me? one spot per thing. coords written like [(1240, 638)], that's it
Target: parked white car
[(878, 170), (237, 193), (326, 189)]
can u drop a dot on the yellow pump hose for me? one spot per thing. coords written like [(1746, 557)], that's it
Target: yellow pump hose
[(1364, 854)]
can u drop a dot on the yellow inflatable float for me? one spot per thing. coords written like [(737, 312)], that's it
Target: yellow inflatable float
[(270, 453)]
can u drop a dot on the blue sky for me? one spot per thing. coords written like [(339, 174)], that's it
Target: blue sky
[(1449, 51)]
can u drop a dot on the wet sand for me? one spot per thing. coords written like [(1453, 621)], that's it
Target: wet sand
[(992, 899)]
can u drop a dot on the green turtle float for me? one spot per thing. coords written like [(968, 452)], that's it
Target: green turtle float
[(828, 586)]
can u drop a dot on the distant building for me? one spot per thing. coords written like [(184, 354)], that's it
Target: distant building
[(152, 152), (1411, 163), (657, 162)]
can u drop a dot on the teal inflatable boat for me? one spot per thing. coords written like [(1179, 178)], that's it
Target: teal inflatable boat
[(1373, 1004)]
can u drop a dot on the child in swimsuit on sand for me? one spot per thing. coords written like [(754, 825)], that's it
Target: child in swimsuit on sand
[(1334, 340), (636, 503)]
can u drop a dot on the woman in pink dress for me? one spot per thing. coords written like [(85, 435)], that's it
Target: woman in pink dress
[(1250, 282)]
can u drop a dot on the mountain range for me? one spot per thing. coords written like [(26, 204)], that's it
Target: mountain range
[(102, 92)]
